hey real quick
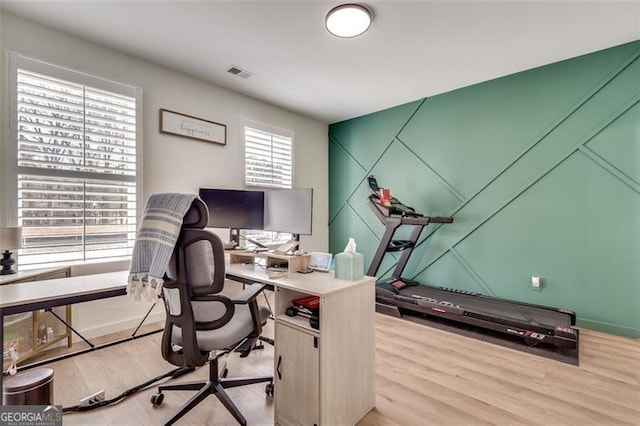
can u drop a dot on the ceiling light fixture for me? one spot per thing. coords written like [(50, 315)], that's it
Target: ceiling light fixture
[(348, 20)]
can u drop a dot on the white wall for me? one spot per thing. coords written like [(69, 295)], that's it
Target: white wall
[(173, 164)]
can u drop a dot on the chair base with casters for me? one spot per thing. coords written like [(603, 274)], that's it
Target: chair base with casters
[(215, 385)]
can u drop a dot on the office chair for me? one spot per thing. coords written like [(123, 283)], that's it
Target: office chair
[(201, 324)]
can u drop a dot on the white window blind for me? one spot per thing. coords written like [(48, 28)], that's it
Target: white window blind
[(268, 156), (268, 162), (76, 166)]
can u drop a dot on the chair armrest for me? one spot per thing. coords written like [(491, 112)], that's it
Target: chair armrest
[(248, 297), (224, 319), (210, 298), (248, 294)]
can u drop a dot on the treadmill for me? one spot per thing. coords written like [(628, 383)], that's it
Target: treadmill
[(534, 323)]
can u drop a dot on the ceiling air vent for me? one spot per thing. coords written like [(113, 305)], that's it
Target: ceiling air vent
[(239, 72)]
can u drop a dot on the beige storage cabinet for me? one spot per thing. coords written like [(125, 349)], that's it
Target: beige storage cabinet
[(325, 376)]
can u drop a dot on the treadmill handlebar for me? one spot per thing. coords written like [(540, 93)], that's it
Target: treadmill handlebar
[(440, 219), (405, 215), (424, 220)]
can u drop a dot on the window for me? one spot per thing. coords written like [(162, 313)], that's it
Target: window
[(267, 156), (268, 162), (73, 150)]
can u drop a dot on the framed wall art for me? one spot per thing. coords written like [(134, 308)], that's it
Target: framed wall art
[(175, 123)]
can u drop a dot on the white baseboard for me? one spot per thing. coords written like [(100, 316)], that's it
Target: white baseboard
[(117, 326)]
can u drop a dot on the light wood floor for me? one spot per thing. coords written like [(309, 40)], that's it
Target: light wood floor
[(423, 377)]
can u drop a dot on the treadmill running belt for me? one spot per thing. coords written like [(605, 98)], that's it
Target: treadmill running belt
[(499, 309)]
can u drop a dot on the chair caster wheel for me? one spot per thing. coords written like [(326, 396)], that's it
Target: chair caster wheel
[(157, 398), (269, 389), (225, 373)]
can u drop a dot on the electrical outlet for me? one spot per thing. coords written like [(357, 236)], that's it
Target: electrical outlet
[(92, 399), (536, 283)]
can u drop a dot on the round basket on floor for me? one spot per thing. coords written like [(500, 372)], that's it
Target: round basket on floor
[(30, 387)]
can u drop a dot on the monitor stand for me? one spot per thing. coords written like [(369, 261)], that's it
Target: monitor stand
[(290, 246), (234, 237), (287, 248)]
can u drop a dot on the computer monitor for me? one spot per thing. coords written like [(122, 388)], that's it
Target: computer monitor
[(288, 210), (234, 209)]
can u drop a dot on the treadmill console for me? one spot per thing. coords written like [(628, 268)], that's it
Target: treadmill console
[(395, 208)]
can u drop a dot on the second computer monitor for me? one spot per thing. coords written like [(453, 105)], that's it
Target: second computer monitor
[(288, 210)]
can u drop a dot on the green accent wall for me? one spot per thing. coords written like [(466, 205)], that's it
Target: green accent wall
[(540, 170)]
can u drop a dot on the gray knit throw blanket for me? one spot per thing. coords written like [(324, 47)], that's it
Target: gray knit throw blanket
[(155, 242)]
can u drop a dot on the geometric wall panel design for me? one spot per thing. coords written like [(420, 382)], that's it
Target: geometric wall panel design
[(576, 241), (366, 139), (619, 143), (540, 170), (469, 134), (349, 225), (449, 269), (344, 174), (428, 194)]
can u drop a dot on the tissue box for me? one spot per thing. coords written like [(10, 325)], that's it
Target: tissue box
[(349, 266)]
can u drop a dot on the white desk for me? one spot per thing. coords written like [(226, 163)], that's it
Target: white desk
[(316, 283), (36, 274), (32, 345), (325, 376), (22, 297), (30, 296)]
